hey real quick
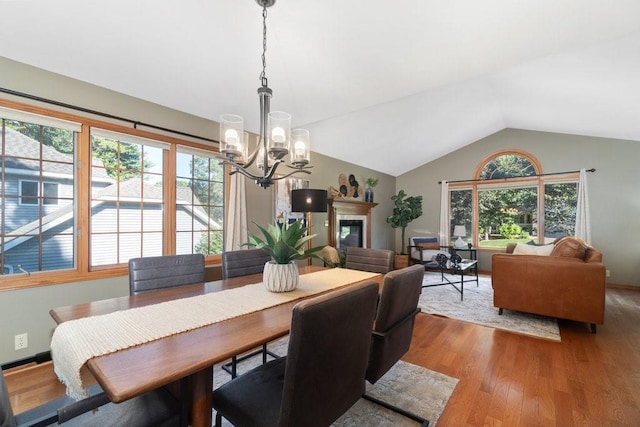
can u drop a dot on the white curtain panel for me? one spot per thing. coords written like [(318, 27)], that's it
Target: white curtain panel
[(236, 228), (583, 217), (444, 214)]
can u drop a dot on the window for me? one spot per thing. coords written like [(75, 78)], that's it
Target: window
[(79, 199), (506, 214), (507, 190), (461, 210), (30, 193), (199, 203), (37, 215), (560, 201), (127, 198)]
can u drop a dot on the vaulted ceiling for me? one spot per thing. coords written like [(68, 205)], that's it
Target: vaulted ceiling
[(386, 85)]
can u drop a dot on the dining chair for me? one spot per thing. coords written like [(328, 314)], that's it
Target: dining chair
[(395, 318), (243, 262), (323, 374), (167, 271), (238, 263), (155, 408), (368, 259)]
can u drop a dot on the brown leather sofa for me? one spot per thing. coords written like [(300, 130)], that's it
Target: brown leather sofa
[(568, 284)]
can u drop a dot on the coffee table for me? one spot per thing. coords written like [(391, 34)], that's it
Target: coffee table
[(460, 268)]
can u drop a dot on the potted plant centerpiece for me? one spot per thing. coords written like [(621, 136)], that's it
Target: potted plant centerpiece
[(285, 243)]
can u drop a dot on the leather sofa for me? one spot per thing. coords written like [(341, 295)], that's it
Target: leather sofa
[(568, 284)]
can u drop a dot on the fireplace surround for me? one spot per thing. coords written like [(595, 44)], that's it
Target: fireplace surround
[(350, 223)]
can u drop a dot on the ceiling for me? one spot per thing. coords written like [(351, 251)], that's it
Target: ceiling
[(386, 85)]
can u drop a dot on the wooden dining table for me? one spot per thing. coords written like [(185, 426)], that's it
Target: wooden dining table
[(188, 355)]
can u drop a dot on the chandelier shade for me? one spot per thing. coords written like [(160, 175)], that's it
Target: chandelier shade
[(275, 141)]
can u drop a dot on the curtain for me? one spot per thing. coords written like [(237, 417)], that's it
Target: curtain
[(444, 214), (236, 228), (583, 219)]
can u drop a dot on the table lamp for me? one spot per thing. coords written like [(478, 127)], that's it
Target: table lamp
[(459, 231), (308, 200)]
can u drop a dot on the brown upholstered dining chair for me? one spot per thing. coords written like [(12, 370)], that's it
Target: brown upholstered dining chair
[(168, 271), (323, 374), (368, 259), (243, 263), (397, 309), (155, 408)]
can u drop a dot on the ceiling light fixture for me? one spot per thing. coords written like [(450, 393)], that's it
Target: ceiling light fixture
[(276, 139)]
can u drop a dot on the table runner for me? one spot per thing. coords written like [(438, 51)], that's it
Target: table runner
[(76, 341)]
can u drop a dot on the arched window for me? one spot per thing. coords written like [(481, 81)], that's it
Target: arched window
[(508, 165), (502, 204)]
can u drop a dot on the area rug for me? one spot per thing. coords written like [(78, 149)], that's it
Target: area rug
[(477, 307), (411, 387)]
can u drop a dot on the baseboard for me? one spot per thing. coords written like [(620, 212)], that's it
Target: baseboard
[(625, 287)]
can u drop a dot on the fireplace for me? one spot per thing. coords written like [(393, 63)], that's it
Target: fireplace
[(349, 223), (350, 232)]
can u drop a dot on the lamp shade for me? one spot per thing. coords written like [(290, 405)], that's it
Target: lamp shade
[(459, 231), (308, 200)]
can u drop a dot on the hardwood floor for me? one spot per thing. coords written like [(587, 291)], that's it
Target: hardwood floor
[(505, 379), (513, 380)]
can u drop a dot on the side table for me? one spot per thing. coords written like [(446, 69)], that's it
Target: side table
[(473, 256)]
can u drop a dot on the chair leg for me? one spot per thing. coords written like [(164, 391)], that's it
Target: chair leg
[(410, 415), (218, 419), (231, 367), (500, 312), (185, 403)]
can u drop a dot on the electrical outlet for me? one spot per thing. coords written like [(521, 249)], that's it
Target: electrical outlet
[(21, 341), (608, 273)]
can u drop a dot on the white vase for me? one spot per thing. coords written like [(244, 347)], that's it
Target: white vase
[(280, 277)]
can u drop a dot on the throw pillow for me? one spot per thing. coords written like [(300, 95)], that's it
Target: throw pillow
[(418, 240), (525, 249), (429, 245), (570, 247)]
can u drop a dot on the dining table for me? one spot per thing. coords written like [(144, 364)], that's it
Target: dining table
[(187, 356)]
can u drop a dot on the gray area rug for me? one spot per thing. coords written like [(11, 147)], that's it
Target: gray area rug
[(413, 388), (477, 307)]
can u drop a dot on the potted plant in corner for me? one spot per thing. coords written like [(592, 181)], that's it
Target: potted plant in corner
[(405, 210), (285, 243)]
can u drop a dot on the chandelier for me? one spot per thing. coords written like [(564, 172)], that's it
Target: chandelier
[(276, 140)]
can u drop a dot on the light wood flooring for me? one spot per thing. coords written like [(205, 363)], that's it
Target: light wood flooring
[(505, 379)]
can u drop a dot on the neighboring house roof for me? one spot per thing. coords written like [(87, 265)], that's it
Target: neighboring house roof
[(20, 152)]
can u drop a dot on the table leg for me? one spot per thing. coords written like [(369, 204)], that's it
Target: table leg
[(201, 387)]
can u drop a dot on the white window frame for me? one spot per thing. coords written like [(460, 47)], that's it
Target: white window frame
[(39, 193)]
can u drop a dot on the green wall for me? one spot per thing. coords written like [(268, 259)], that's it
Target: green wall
[(614, 195), (27, 310)]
